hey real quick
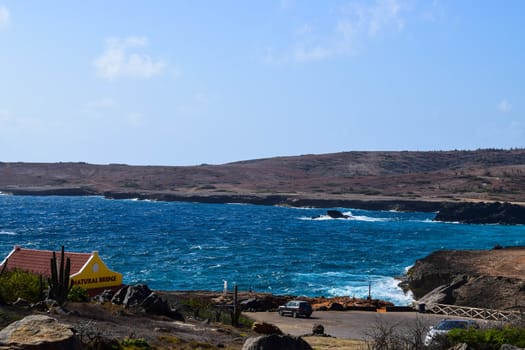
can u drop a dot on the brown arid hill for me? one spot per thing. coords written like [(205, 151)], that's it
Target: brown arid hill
[(369, 180)]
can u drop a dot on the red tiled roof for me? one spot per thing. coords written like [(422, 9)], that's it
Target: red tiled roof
[(38, 261)]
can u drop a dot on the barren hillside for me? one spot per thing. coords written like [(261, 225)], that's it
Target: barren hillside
[(482, 175)]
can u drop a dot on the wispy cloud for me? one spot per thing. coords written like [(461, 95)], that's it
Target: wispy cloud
[(120, 59), (351, 26), (504, 106), (4, 16)]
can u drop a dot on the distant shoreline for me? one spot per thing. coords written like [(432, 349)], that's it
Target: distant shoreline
[(447, 211)]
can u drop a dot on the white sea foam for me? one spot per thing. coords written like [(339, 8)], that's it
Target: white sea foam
[(7, 233), (384, 288), (338, 283), (350, 217)]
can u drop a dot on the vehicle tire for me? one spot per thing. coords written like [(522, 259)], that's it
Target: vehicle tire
[(294, 314)]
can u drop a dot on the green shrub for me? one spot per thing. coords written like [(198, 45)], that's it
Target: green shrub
[(135, 343), (78, 294), (16, 284), (490, 338)]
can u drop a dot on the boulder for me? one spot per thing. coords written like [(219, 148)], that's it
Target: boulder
[(105, 296), (276, 342), (39, 332), (510, 347), (119, 296), (22, 303), (460, 346), (318, 330), (265, 328), (336, 307), (155, 305), (130, 296)]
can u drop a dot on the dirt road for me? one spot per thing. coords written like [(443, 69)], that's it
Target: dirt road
[(346, 324)]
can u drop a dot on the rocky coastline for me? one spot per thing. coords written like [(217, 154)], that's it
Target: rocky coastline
[(463, 212), (493, 279)]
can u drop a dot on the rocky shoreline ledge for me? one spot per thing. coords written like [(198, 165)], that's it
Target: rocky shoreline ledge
[(446, 211), (493, 279)]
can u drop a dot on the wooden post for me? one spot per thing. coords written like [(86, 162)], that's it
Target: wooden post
[(235, 315)]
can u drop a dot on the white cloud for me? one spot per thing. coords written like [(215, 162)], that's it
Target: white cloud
[(118, 62), (4, 16), (385, 14), (504, 106), (351, 27)]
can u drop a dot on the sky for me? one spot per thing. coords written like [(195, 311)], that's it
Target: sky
[(192, 82)]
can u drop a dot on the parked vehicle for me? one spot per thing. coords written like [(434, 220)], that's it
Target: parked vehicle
[(445, 326), (296, 308)]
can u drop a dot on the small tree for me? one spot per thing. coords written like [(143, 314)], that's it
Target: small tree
[(59, 284)]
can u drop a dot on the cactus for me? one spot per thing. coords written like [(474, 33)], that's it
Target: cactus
[(59, 285)]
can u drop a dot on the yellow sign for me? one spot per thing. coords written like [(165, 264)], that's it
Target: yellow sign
[(95, 274)]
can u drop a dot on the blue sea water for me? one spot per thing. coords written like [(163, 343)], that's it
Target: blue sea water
[(190, 246)]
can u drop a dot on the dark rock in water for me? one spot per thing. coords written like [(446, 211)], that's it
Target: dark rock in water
[(276, 342), (482, 213), (336, 214)]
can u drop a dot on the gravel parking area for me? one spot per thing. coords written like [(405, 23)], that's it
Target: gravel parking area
[(345, 324)]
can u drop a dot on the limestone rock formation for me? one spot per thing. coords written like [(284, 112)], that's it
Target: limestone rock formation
[(39, 332), (487, 279)]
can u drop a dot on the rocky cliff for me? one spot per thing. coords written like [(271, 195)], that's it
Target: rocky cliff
[(487, 279)]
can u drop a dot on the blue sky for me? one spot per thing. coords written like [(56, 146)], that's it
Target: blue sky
[(190, 82)]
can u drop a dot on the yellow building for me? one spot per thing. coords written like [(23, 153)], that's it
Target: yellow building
[(87, 269)]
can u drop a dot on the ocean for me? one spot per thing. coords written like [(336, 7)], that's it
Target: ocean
[(281, 250)]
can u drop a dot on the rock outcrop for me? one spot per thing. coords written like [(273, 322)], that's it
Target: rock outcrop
[(141, 296), (482, 213), (486, 279), (276, 342), (336, 214), (39, 332), (265, 328)]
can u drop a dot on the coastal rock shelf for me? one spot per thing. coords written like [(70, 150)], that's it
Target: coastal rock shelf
[(476, 278), (482, 213)]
